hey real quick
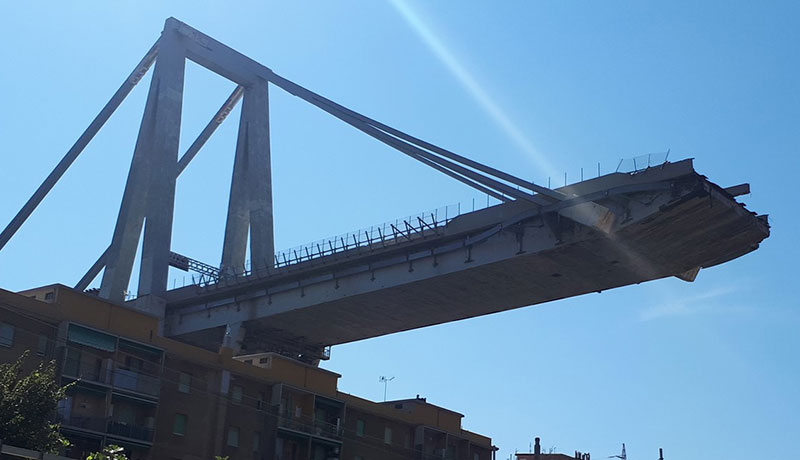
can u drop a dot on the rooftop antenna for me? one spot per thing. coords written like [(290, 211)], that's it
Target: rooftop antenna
[(385, 381), (622, 456)]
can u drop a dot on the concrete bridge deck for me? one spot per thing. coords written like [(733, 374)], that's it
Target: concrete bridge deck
[(613, 231)]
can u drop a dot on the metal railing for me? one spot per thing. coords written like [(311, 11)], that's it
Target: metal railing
[(309, 425), (118, 428), (86, 371), (85, 423), (387, 234), (642, 162), (135, 381), (106, 425), (117, 378)]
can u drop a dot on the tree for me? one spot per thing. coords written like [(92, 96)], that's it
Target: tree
[(26, 405), (110, 452)]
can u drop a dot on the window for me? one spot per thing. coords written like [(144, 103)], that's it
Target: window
[(387, 435), (358, 457), (179, 425), (263, 360), (476, 457), (49, 295), (236, 393), (261, 398), (184, 382), (360, 428), (233, 436), (256, 441), (6, 335), (248, 361), (41, 348)]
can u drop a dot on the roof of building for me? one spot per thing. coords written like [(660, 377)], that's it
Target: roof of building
[(420, 401)]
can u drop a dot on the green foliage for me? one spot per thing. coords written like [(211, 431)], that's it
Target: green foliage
[(26, 404), (110, 452), (218, 457)]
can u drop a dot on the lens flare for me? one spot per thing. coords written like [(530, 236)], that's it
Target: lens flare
[(468, 81)]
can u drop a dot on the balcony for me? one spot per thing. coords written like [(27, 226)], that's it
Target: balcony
[(118, 428), (101, 372), (310, 426), (90, 371), (97, 424), (107, 425), (134, 381)]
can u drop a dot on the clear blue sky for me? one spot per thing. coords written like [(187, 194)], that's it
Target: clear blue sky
[(707, 369)]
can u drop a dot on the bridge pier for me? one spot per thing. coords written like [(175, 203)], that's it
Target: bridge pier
[(234, 336), (250, 204), (149, 197)]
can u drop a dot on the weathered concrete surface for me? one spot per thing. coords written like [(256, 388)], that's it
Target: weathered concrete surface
[(667, 222)]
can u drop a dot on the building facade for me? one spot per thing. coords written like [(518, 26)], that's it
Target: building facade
[(164, 399)]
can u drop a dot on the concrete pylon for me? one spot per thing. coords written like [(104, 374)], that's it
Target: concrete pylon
[(250, 204), (150, 190), (149, 199)]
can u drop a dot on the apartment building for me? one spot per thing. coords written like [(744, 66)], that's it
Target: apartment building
[(164, 399)]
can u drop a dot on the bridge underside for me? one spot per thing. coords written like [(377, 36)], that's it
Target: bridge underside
[(666, 221)]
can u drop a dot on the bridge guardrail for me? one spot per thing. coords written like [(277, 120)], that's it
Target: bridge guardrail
[(642, 162), (391, 232)]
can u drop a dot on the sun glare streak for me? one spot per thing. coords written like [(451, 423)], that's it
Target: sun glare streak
[(498, 115), (495, 112)]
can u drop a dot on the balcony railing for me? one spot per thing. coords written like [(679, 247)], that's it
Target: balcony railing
[(134, 381), (118, 428), (310, 426), (106, 425), (87, 371), (85, 423), (117, 378)]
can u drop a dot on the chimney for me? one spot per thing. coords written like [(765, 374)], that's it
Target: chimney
[(660, 454), (537, 448)]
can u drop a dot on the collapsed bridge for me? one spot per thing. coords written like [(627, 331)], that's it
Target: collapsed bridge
[(539, 244), (615, 230)]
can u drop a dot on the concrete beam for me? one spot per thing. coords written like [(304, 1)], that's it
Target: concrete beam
[(480, 265)]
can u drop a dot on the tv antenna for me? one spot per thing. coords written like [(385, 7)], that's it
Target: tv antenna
[(385, 381), (622, 456)]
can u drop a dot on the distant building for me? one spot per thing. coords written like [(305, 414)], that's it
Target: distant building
[(538, 455), (164, 399)]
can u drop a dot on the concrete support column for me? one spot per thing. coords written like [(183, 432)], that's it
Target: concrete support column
[(161, 196), (150, 188), (234, 335), (250, 205)]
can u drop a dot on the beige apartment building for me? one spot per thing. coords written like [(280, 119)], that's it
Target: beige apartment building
[(164, 399)]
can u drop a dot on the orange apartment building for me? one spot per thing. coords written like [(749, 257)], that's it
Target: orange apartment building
[(164, 399)]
